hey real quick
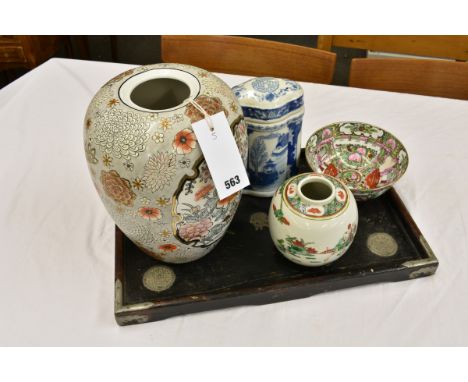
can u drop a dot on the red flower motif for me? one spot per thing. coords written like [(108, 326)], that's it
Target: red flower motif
[(168, 247), (331, 170), (149, 213), (372, 180), (311, 250), (184, 141), (313, 210), (274, 207), (298, 243), (341, 194)]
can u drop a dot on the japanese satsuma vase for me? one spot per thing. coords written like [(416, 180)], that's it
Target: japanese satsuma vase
[(313, 219), (147, 166)]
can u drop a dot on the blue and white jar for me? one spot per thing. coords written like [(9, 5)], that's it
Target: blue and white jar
[(273, 109)]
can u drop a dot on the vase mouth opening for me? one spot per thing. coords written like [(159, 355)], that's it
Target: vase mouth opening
[(159, 90), (316, 190)]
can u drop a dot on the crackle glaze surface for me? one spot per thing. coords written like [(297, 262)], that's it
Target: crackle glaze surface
[(368, 159), (309, 232), (150, 172)]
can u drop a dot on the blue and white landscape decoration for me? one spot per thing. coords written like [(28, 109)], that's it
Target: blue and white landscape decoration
[(273, 109)]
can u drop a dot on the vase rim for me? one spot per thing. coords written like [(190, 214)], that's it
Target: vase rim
[(321, 180), (188, 79), (328, 206)]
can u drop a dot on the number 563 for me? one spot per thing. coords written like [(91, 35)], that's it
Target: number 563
[(231, 182)]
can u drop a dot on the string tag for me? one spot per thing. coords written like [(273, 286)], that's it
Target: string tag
[(221, 154)]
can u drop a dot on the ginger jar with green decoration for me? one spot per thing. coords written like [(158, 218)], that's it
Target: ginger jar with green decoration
[(313, 219)]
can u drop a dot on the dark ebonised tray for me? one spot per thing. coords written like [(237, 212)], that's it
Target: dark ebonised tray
[(246, 269)]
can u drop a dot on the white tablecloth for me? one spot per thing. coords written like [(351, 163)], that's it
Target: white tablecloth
[(57, 241)]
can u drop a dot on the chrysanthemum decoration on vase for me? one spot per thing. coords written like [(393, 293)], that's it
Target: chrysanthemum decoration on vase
[(147, 165)]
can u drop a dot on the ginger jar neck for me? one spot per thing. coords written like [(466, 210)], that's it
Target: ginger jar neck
[(316, 196), (316, 191)]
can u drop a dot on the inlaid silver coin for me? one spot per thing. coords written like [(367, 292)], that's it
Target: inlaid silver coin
[(158, 278), (382, 244)]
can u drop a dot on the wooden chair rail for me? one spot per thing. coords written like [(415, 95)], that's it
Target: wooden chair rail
[(453, 47), (438, 78), (248, 56)]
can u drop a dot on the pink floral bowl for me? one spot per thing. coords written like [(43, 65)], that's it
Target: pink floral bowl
[(368, 159)]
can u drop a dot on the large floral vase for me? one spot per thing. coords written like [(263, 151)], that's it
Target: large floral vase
[(146, 163)]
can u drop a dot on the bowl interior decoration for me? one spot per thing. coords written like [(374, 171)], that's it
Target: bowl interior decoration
[(368, 159)]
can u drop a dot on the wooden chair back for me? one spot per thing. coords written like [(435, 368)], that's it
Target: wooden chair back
[(439, 78), (452, 47), (252, 57)]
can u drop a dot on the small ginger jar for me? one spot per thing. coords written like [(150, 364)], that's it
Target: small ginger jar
[(273, 110), (146, 163), (313, 219)]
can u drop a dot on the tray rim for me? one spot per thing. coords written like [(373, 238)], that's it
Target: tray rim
[(137, 313)]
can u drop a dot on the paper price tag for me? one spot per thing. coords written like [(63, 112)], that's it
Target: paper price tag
[(222, 155)]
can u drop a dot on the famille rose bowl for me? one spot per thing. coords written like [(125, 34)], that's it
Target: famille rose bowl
[(368, 159), (313, 219)]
